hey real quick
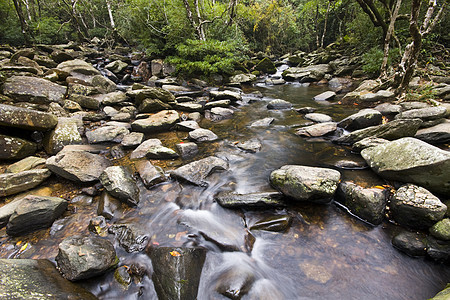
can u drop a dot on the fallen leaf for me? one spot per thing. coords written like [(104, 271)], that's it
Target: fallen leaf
[(175, 253)]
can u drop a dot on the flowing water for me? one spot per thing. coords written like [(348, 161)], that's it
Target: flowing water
[(324, 254)]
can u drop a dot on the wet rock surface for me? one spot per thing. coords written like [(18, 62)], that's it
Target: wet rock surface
[(233, 200), (118, 181), (198, 171)]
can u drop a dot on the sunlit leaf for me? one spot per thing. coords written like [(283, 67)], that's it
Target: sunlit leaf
[(175, 253)]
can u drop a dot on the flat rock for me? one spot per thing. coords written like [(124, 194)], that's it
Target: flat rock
[(99, 256), (142, 149), (368, 142), (317, 130), (411, 160), (25, 164), (107, 134), (13, 116), (225, 95), (77, 66), (202, 135), (15, 148), (113, 98), (279, 104), (235, 200), (251, 146), (388, 109), (416, 207), (34, 213), (362, 119), (263, 122), (160, 121), (318, 117), (33, 90), (65, 133), (381, 95), (119, 182), (218, 103), (187, 150), (132, 139), (220, 113), (187, 126), (79, 166), (150, 174), (411, 243), (367, 203), (85, 101), (196, 172), (392, 130), (13, 183), (306, 183), (37, 279), (425, 114), (152, 105), (438, 134), (150, 92), (325, 96)]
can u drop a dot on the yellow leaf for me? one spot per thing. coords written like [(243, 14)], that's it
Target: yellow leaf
[(175, 253), (23, 247), (379, 187)]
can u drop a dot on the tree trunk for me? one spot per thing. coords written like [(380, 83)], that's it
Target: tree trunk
[(325, 25), (23, 23), (387, 39)]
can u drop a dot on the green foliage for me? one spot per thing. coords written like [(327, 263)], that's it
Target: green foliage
[(10, 31), (372, 62), (196, 57), (48, 30), (425, 93)]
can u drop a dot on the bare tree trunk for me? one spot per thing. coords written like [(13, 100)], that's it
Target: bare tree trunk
[(316, 26), (200, 29), (387, 39), (23, 23), (325, 25), (111, 18)]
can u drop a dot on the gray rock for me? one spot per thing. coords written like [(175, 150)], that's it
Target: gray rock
[(416, 207), (362, 119), (368, 142), (99, 256), (218, 103), (153, 149), (36, 279), (108, 206), (279, 104), (202, 135), (325, 96), (187, 126), (15, 148), (152, 105), (251, 146), (441, 230), (25, 164), (318, 117), (33, 90), (132, 139), (242, 79), (263, 122), (130, 237), (158, 122), (113, 98), (235, 282), (145, 92), (76, 67), (122, 117), (8, 209), (65, 133), (13, 116), (305, 110), (438, 134), (150, 174), (367, 203), (173, 268), (388, 109), (71, 106), (142, 149), (276, 223), (317, 130), (119, 182), (438, 250), (116, 66), (34, 213), (85, 101), (107, 134), (189, 106), (411, 160), (392, 130), (442, 91), (234, 200), (381, 95), (412, 243), (197, 172), (79, 166), (13, 183), (110, 111), (414, 105), (425, 114), (225, 95), (307, 74), (306, 183), (187, 150)]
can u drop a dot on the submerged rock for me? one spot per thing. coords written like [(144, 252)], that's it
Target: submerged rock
[(274, 223), (235, 281), (36, 279), (108, 206), (368, 204), (187, 150), (85, 257), (196, 172), (412, 243), (263, 122), (80, 166), (411, 160), (306, 183), (251, 146), (325, 96), (118, 181), (279, 104), (130, 237), (416, 207), (34, 213), (263, 199), (177, 271)]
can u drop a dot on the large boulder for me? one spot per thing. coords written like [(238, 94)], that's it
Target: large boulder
[(13, 183), (36, 279), (34, 90), (224, 95), (416, 207), (306, 183), (177, 271), (15, 148), (79, 166), (145, 92), (368, 204), (390, 131), (34, 213), (160, 121), (76, 67), (266, 66), (438, 134), (362, 119), (411, 160), (85, 257), (119, 182), (242, 79), (307, 74), (13, 116), (425, 114), (65, 133), (196, 172)]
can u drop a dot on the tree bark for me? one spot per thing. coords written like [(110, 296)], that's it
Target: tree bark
[(387, 39), (325, 25), (23, 23)]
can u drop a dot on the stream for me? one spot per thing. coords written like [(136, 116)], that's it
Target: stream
[(325, 253)]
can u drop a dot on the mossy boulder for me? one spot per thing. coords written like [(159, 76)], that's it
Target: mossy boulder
[(266, 66), (441, 230)]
